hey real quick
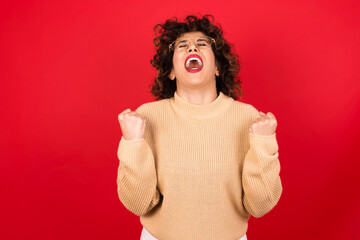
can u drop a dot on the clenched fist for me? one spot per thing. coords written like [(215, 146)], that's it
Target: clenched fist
[(265, 124), (132, 125)]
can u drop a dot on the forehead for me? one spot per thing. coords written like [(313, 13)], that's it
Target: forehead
[(191, 35)]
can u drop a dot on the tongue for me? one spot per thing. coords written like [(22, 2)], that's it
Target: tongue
[(193, 64)]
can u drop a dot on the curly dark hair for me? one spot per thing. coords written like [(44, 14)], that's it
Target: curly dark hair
[(228, 64)]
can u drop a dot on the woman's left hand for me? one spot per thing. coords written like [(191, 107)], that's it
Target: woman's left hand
[(264, 125)]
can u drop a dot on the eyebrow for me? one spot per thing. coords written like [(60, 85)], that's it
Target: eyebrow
[(200, 39)]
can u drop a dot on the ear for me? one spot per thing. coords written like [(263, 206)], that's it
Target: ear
[(172, 74), (217, 73)]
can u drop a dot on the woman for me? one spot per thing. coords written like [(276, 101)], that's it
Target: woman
[(196, 163)]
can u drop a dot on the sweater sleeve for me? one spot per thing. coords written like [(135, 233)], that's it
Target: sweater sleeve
[(136, 179), (261, 179)]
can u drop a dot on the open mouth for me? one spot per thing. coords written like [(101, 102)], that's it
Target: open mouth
[(193, 63)]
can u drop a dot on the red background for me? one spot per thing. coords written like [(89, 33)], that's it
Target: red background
[(68, 68)]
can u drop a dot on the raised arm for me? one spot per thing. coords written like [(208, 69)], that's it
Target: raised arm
[(261, 180), (136, 179)]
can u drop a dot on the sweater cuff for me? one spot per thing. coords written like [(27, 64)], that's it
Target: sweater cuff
[(264, 145), (135, 140), (134, 153)]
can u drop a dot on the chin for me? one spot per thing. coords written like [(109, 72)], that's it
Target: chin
[(194, 79)]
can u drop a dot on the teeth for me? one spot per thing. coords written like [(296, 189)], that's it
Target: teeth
[(193, 58)]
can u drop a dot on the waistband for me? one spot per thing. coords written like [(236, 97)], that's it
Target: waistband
[(145, 235)]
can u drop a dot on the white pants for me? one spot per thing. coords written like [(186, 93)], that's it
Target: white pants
[(145, 235)]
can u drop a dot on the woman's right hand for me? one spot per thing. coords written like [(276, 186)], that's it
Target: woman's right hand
[(132, 125)]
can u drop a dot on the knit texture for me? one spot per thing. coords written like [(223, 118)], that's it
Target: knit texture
[(198, 173)]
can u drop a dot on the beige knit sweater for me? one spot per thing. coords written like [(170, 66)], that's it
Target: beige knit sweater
[(198, 173)]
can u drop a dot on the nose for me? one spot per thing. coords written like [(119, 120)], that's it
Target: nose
[(192, 47)]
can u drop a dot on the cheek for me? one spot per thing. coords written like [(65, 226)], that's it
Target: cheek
[(176, 60), (211, 59)]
